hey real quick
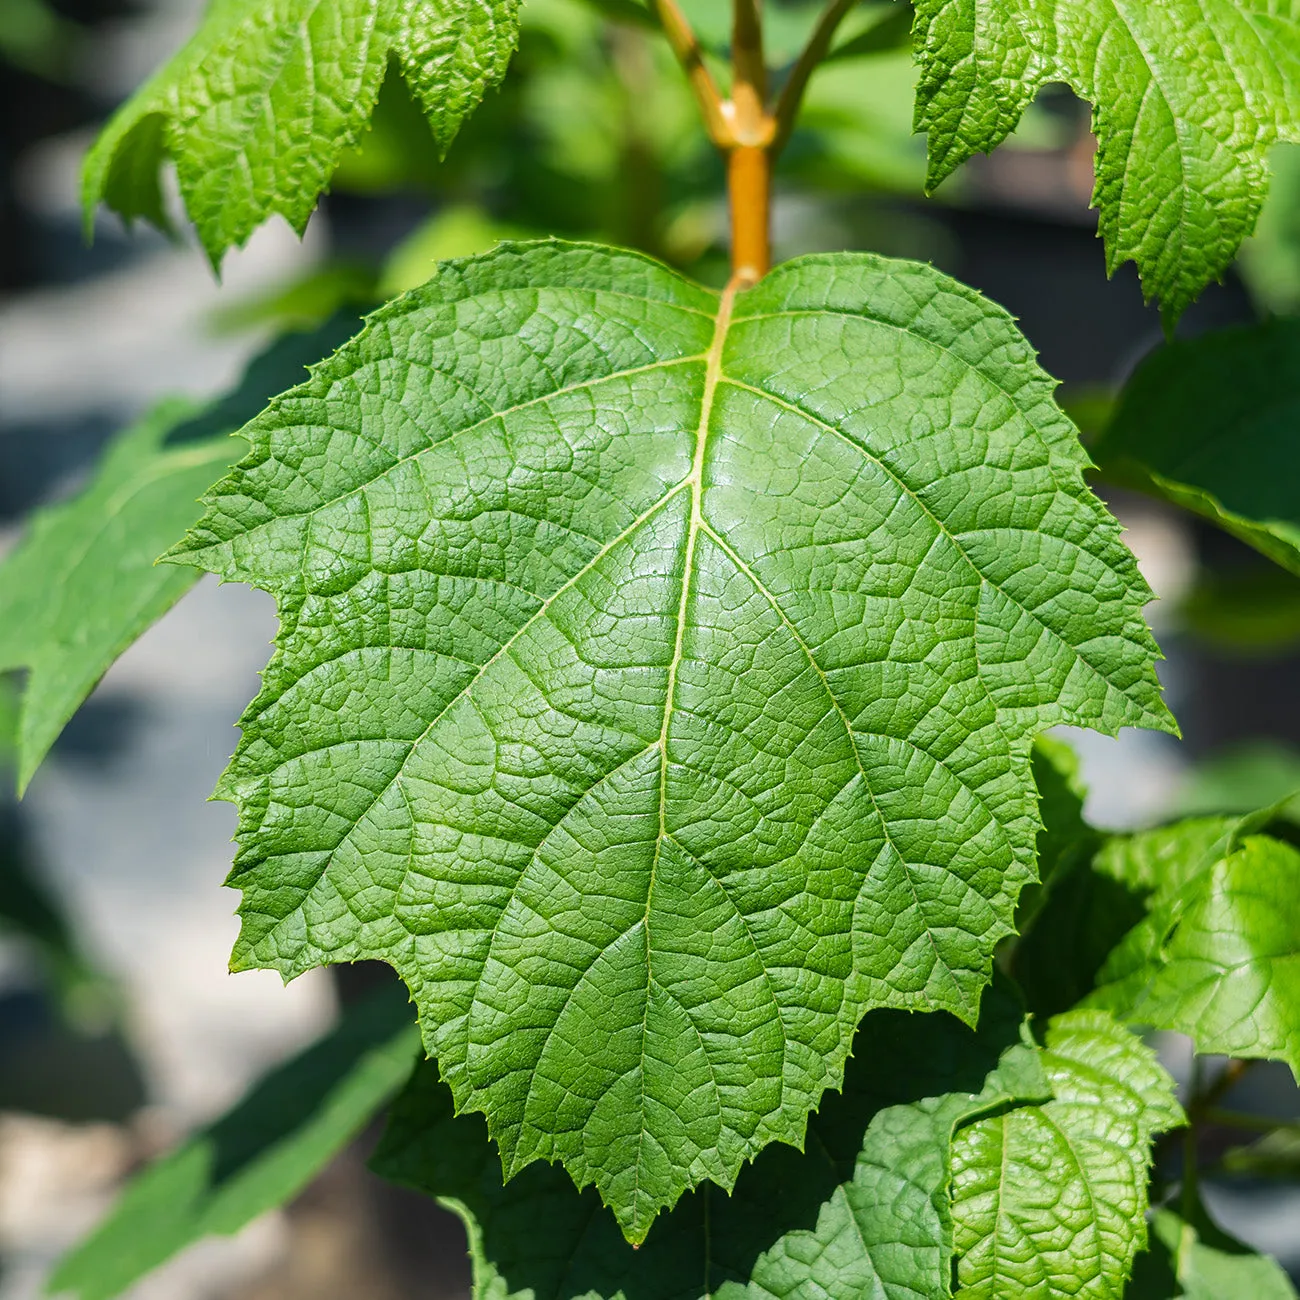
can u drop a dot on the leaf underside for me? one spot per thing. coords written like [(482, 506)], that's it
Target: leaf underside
[(1187, 97), (656, 681), (260, 105), (1051, 1199)]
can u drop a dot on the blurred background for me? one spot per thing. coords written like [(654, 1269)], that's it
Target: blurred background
[(120, 1029)]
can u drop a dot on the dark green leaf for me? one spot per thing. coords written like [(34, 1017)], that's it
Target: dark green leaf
[(863, 1212), (256, 1157), (1210, 424)]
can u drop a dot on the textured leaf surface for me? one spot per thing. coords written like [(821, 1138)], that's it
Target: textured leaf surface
[(1219, 959), (83, 585), (1188, 95), (257, 109), (656, 681), (1192, 1258), (1050, 1200), (254, 1158), (1211, 425), (863, 1212)]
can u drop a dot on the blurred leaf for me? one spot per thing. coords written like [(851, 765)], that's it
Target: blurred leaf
[(82, 585), (1219, 959), (863, 1211), (887, 27), (1269, 261), (256, 1157), (1275, 1155), (37, 38), (1049, 1200), (1251, 612), (1254, 775), (1211, 424), (306, 303), (1192, 1258), (458, 231)]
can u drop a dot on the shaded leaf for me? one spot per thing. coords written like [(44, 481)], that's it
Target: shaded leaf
[(1219, 959), (1050, 1200), (863, 1211), (656, 681), (256, 1157), (1210, 424), (257, 109), (1275, 1155), (1187, 97)]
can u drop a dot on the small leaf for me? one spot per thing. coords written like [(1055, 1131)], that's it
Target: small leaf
[(1219, 959), (1210, 424), (862, 1212), (1049, 1200), (1187, 97), (258, 108), (83, 583), (656, 681), (1192, 1258), (256, 1157), (1275, 1155)]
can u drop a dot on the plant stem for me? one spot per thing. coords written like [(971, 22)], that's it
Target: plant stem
[(749, 183), (749, 158), (787, 107), (686, 47)]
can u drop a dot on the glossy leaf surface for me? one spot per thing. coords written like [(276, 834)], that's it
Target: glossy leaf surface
[(656, 681)]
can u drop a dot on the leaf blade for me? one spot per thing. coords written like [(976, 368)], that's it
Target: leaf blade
[(625, 746)]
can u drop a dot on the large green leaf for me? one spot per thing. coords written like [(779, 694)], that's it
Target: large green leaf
[(656, 681), (1187, 97), (1050, 1200), (1192, 1258), (83, 583), (1219, 959), (863, 1211), (259, 1155), (260, 105), (1210, 424)]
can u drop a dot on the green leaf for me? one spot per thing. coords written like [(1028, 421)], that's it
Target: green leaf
[(1192, 1258), (83, 583), (1050, 1200), (254, 1158), (1187, 97), (1275, 1155), (656, 681), (257, 109), (863, 1211), (1209, 424), (1219, 959)]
